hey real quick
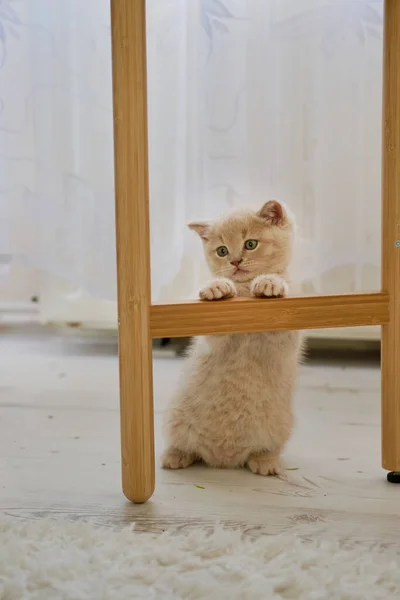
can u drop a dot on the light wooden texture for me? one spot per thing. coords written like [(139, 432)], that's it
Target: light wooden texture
[(59, 449), (133, 251), (252, 315), (138, 321), (391, 237)]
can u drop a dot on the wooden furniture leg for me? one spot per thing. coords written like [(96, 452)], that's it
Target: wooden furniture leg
[(133, 247), (391, 242), (139, 321)]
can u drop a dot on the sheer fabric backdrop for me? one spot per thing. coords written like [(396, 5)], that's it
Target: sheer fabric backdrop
[(248, 100)]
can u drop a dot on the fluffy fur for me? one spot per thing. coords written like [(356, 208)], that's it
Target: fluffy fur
[(56, 559), (234, 405)]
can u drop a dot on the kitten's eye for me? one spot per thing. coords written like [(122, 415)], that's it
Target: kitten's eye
[(222, 251), (251, 244)]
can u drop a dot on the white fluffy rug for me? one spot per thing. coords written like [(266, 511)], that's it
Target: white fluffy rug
[(60, 560)]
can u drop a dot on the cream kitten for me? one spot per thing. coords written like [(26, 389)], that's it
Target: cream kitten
[(234, 405)]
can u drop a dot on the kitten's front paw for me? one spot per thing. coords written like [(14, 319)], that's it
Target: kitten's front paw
[(218, 289), (269, 286), (264, 463)]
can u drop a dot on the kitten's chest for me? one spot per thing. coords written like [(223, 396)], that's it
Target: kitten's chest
[(240, 368), (250, 350)]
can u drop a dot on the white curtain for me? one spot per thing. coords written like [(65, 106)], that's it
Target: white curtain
[(248, 100)]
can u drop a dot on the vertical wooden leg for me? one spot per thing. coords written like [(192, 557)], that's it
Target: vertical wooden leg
[(391, 241), (133, 247)]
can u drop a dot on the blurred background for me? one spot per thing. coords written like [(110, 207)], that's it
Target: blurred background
[(248, 100)]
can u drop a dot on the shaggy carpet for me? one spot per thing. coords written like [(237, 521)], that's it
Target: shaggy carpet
[(61, 560)]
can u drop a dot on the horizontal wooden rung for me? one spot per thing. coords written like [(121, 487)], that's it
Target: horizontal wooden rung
[(250, 315)]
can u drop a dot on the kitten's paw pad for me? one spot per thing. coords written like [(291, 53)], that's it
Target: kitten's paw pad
[(263, 464), (176, 459), (269, 286), (218, 289)]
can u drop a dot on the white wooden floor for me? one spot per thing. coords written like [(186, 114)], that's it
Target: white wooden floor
[(59, 448)]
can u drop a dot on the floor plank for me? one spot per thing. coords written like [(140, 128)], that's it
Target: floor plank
[(59, 448)]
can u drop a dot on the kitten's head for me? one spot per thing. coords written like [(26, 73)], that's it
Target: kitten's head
[(248, 243)]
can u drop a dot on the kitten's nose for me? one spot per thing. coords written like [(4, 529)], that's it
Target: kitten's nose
[(236, 263)]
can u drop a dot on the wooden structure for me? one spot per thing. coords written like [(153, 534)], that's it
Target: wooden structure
[(140, 320)]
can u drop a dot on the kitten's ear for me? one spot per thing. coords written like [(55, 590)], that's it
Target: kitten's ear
[(201, 228), (273, 212)]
